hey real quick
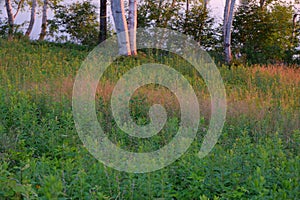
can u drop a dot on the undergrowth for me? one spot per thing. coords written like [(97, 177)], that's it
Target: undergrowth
[(42, 157)]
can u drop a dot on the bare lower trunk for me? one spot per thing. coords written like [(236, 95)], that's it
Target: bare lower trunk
[(205, 2), (132, 25), (294, 26), (187, 6), (11, 19), (44, 21), (118, 12), (262, 3), (227, 25), (32, 18), (103, 21)]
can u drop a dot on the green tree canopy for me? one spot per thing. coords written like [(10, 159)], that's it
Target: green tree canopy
[(192, 19), (263, 31), (79, 21)]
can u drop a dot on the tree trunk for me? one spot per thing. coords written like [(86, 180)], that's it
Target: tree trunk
[(262, 3), (132, 25), (205, 2), (187, 5), (20, 4), (118, 12), (103, 21), (227, 25), (32, 18), (294, 26), (11, 19), (44, 21)]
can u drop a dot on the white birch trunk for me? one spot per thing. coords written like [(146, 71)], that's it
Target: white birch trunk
[(227, 25), (118, 12), (10, 17), (32, 18), (44, 21), (132, 25)]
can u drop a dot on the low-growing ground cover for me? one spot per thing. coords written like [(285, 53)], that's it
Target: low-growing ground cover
[(42, 157)]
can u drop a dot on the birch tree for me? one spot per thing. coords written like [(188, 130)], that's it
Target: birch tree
[(126, 32), (32, 18), (44, 20), (118, 13), (11, 17), (132, 25), (227, 25)]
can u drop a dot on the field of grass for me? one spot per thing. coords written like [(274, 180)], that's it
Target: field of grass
[(42, 157)]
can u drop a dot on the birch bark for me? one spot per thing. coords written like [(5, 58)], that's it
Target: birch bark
[(227, 25), (44, 21), (132, 25), (11, 19), (32, 18), (118, 12)]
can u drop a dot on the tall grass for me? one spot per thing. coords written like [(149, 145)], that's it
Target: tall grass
[(257, 156)]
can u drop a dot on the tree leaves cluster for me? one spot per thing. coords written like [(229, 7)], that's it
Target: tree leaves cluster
[(263, 31), (78, 21), (191, 18)]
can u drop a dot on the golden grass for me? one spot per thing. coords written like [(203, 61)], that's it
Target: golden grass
[(287, 75), (252, 101)]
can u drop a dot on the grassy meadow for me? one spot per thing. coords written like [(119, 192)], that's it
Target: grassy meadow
[(42, 157)]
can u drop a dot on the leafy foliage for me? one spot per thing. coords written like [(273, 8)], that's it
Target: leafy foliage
[(162, 14), (42, 157), (199, 24), (263, 33), (79, 20), (195, 22)]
